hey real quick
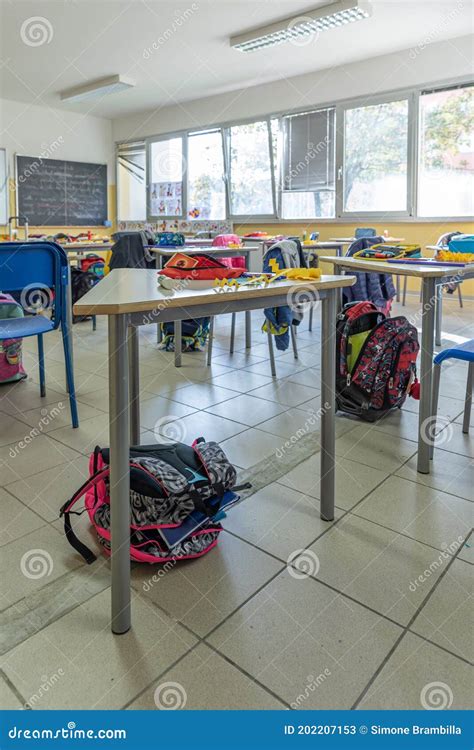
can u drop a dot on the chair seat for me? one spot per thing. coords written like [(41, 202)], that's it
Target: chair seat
[(464, 352), (20, 328)]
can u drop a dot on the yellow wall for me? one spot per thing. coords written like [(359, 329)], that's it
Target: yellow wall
[(421, 233)]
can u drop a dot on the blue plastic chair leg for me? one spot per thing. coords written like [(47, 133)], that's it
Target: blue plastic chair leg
[(69, 374), (41, 365)]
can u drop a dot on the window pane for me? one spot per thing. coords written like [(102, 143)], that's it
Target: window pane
[(166, 180), (308, 159), (320, 205), (250, 170), (446, 168), (375, 157), (206, 187), (131, 182)]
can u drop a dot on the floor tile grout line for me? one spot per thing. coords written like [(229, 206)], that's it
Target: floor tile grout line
[(407, 629), (14, 689)]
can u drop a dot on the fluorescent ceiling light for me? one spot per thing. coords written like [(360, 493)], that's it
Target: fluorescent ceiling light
[(294, 28), (95, 89)]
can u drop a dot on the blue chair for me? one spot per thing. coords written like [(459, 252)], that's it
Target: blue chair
[(364, 232), (35, 268), (465, 353)]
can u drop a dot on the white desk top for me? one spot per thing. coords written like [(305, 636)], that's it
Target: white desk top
[(420, 270), (205, 250), (128, 290)]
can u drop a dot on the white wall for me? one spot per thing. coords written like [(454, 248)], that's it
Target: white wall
[(441, 61), (53, 133)]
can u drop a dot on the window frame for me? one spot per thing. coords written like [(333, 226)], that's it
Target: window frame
[(369, 101), (249, 218), (117, 181), (5, 203), (202, 131), (412, 93), (182, 135), (464, 82)]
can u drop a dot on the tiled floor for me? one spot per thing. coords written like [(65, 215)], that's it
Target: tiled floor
[(371, 611)]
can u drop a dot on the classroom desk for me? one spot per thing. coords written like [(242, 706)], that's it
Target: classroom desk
[(131, 298), (350, 240), (217, 251), (430, 279), (86, 247)]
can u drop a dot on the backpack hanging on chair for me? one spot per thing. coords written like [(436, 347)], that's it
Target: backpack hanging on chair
[(375, 361)]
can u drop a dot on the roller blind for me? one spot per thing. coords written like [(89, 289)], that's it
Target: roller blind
[(308, 151)]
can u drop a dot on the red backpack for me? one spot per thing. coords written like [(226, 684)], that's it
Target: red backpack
[(375, 360)]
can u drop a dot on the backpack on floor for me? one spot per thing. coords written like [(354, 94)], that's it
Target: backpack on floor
[(194, 335), (11, 367), (81, 283), (173, 488), (375, 360)]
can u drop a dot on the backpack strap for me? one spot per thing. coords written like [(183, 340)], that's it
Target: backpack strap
[(67, 511)]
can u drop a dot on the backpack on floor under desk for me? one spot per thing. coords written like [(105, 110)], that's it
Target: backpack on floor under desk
[(172, 487), (375, 361)]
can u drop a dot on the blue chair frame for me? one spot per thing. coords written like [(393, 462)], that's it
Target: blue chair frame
[(31, 266), (464, 353)]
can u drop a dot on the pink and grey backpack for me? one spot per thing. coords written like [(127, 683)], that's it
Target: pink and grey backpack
[(11, 367), (177, 493), (375, 361)]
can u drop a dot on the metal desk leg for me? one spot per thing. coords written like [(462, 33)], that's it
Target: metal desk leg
[(339, 251), (328, 404), (248, 329), (397, 287), (439, 313), (426, 374), (134, 383), (178, 343), (210, 341), (158, 266), (119, 473)]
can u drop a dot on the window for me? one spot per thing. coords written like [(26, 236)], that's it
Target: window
[(250, 166), (446, 153), (3, 187), (131, 182), (206, 185), (375, 162), (166, 166), (308, 174)]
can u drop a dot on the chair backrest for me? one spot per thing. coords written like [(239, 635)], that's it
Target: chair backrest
[(364, 232), (36, 270)]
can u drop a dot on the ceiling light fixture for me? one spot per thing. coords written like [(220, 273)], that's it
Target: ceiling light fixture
[(312, 22), (94, 89)]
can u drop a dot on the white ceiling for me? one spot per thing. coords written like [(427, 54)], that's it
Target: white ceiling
[(89, 39)]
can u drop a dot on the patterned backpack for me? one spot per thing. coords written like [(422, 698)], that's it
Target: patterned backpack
[(375, 361), (175, 489), (11, 367)]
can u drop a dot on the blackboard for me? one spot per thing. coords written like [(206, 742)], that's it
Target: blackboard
[(56, 193)]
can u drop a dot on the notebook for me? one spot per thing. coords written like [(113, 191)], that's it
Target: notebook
[(195, 520)]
